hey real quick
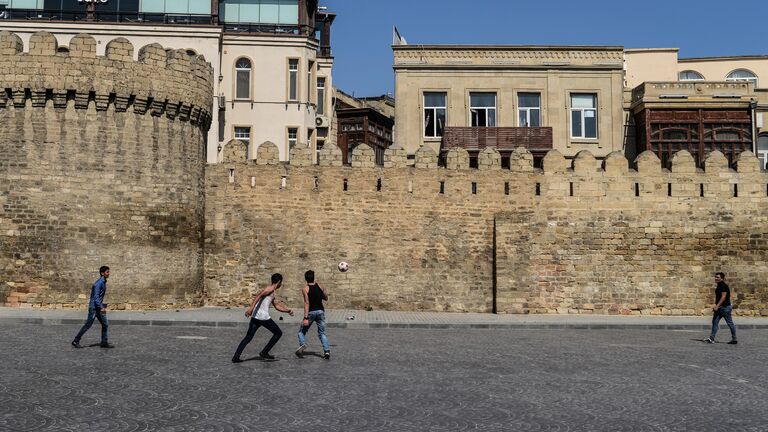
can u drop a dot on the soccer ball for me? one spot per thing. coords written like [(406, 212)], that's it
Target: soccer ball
[(343, 266)]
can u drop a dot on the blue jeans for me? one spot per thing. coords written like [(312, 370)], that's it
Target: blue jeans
[(723, 312), (317, 316), (93, 314)]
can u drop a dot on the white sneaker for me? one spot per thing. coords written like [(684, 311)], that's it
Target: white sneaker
[(300, 351)]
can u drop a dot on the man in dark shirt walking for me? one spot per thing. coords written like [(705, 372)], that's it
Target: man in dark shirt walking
[(97, 310), (314, 294), (722, 309)]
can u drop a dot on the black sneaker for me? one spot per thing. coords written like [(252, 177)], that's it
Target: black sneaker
[(106, 345), (237, 360), (76, 344), (266, 356), (327, 355), (733, 342), (709, 340)]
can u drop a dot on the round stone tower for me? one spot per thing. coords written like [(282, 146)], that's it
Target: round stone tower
[(101, 163)]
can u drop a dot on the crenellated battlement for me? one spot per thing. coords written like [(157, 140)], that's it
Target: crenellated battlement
[(162, 82), (584, 176)]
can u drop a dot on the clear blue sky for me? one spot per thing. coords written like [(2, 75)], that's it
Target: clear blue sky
[(362, 32)]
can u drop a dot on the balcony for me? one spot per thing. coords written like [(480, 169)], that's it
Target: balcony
[(504, 139), (99, 16)]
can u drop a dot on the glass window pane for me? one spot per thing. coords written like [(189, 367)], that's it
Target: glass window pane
[(583, 101), (202, 7), (270, 12), (534, 114), (429, 122), (491, 117), (320, 101), (477, 100), (576, 123), (176, 6), (243, 84), (292, 91), (522, 118), (590, 124), (249, 11), (26, 4), (434, 99), (762, 143), (440, 121), (289, 12), (151, 6), (228, 12), (528, 100)]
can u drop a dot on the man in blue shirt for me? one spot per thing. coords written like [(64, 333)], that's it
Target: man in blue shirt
[(97, 310)]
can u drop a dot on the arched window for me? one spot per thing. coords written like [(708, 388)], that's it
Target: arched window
[(243, 78), (690, 75), (742, 75)]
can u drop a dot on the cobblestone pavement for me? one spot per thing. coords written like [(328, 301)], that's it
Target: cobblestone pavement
[(181, 379)]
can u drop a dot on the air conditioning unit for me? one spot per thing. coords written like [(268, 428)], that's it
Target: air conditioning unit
[(322, 121)]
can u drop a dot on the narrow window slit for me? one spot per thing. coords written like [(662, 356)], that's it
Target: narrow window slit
[(315, 182), (669, 189), (474, 188), (570, 185), (506, 188), (701, 189), (735, 190), (410, 186), (442, 187), (637, 189), (345, 185), (378, 185), (231, 175), (283, 181), (538, 189)]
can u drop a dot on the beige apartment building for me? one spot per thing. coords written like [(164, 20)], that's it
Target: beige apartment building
[(272, 74), (699, 104), (542, 97)]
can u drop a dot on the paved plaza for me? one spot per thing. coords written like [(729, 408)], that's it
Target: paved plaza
[(164, 378)]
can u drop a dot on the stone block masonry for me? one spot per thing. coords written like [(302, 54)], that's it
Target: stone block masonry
[(581, 236), (101, 162)]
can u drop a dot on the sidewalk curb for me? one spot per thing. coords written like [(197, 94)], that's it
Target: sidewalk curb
[(386, 325)]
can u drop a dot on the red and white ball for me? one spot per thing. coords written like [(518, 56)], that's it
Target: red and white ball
[(343, 266)]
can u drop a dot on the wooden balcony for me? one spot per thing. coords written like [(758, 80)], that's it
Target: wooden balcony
[(504, 139)]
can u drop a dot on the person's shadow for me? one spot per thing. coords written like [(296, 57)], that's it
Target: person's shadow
[(311, 353)]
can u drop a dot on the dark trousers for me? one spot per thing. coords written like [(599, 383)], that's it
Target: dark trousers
[(93, 314), (254, 325)]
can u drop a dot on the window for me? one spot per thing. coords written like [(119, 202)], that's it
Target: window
[(690, 75), (529, 109), (742, 75), (293, 138), (243, 133), (320, 95), (310, 66), (434, 114), (762, 150), (243, 79), (293, 79), (259, 11), (318, 149), (196, 7), (25, 4), (583, 115), (482, 109)]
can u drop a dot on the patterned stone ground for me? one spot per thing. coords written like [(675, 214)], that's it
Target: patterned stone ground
[(181, 379)]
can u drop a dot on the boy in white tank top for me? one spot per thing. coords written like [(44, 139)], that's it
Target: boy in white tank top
[(259, 313)]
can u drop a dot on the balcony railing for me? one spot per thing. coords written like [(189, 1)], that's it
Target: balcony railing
[(535, 139), (124, 17)]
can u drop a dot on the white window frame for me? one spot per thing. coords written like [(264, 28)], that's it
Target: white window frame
[(731, 78), (310, 72), (293, 79), (238, 135), (239, 69), (689, 71), (486, 109), (292, 142), (321, 95), (584, 114), (527, 110), (433, 110)]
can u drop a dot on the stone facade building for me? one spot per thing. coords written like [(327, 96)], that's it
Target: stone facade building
[(272, 73)]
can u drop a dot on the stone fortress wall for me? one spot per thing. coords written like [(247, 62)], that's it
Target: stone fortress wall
[(580, 236), (101, 162)]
